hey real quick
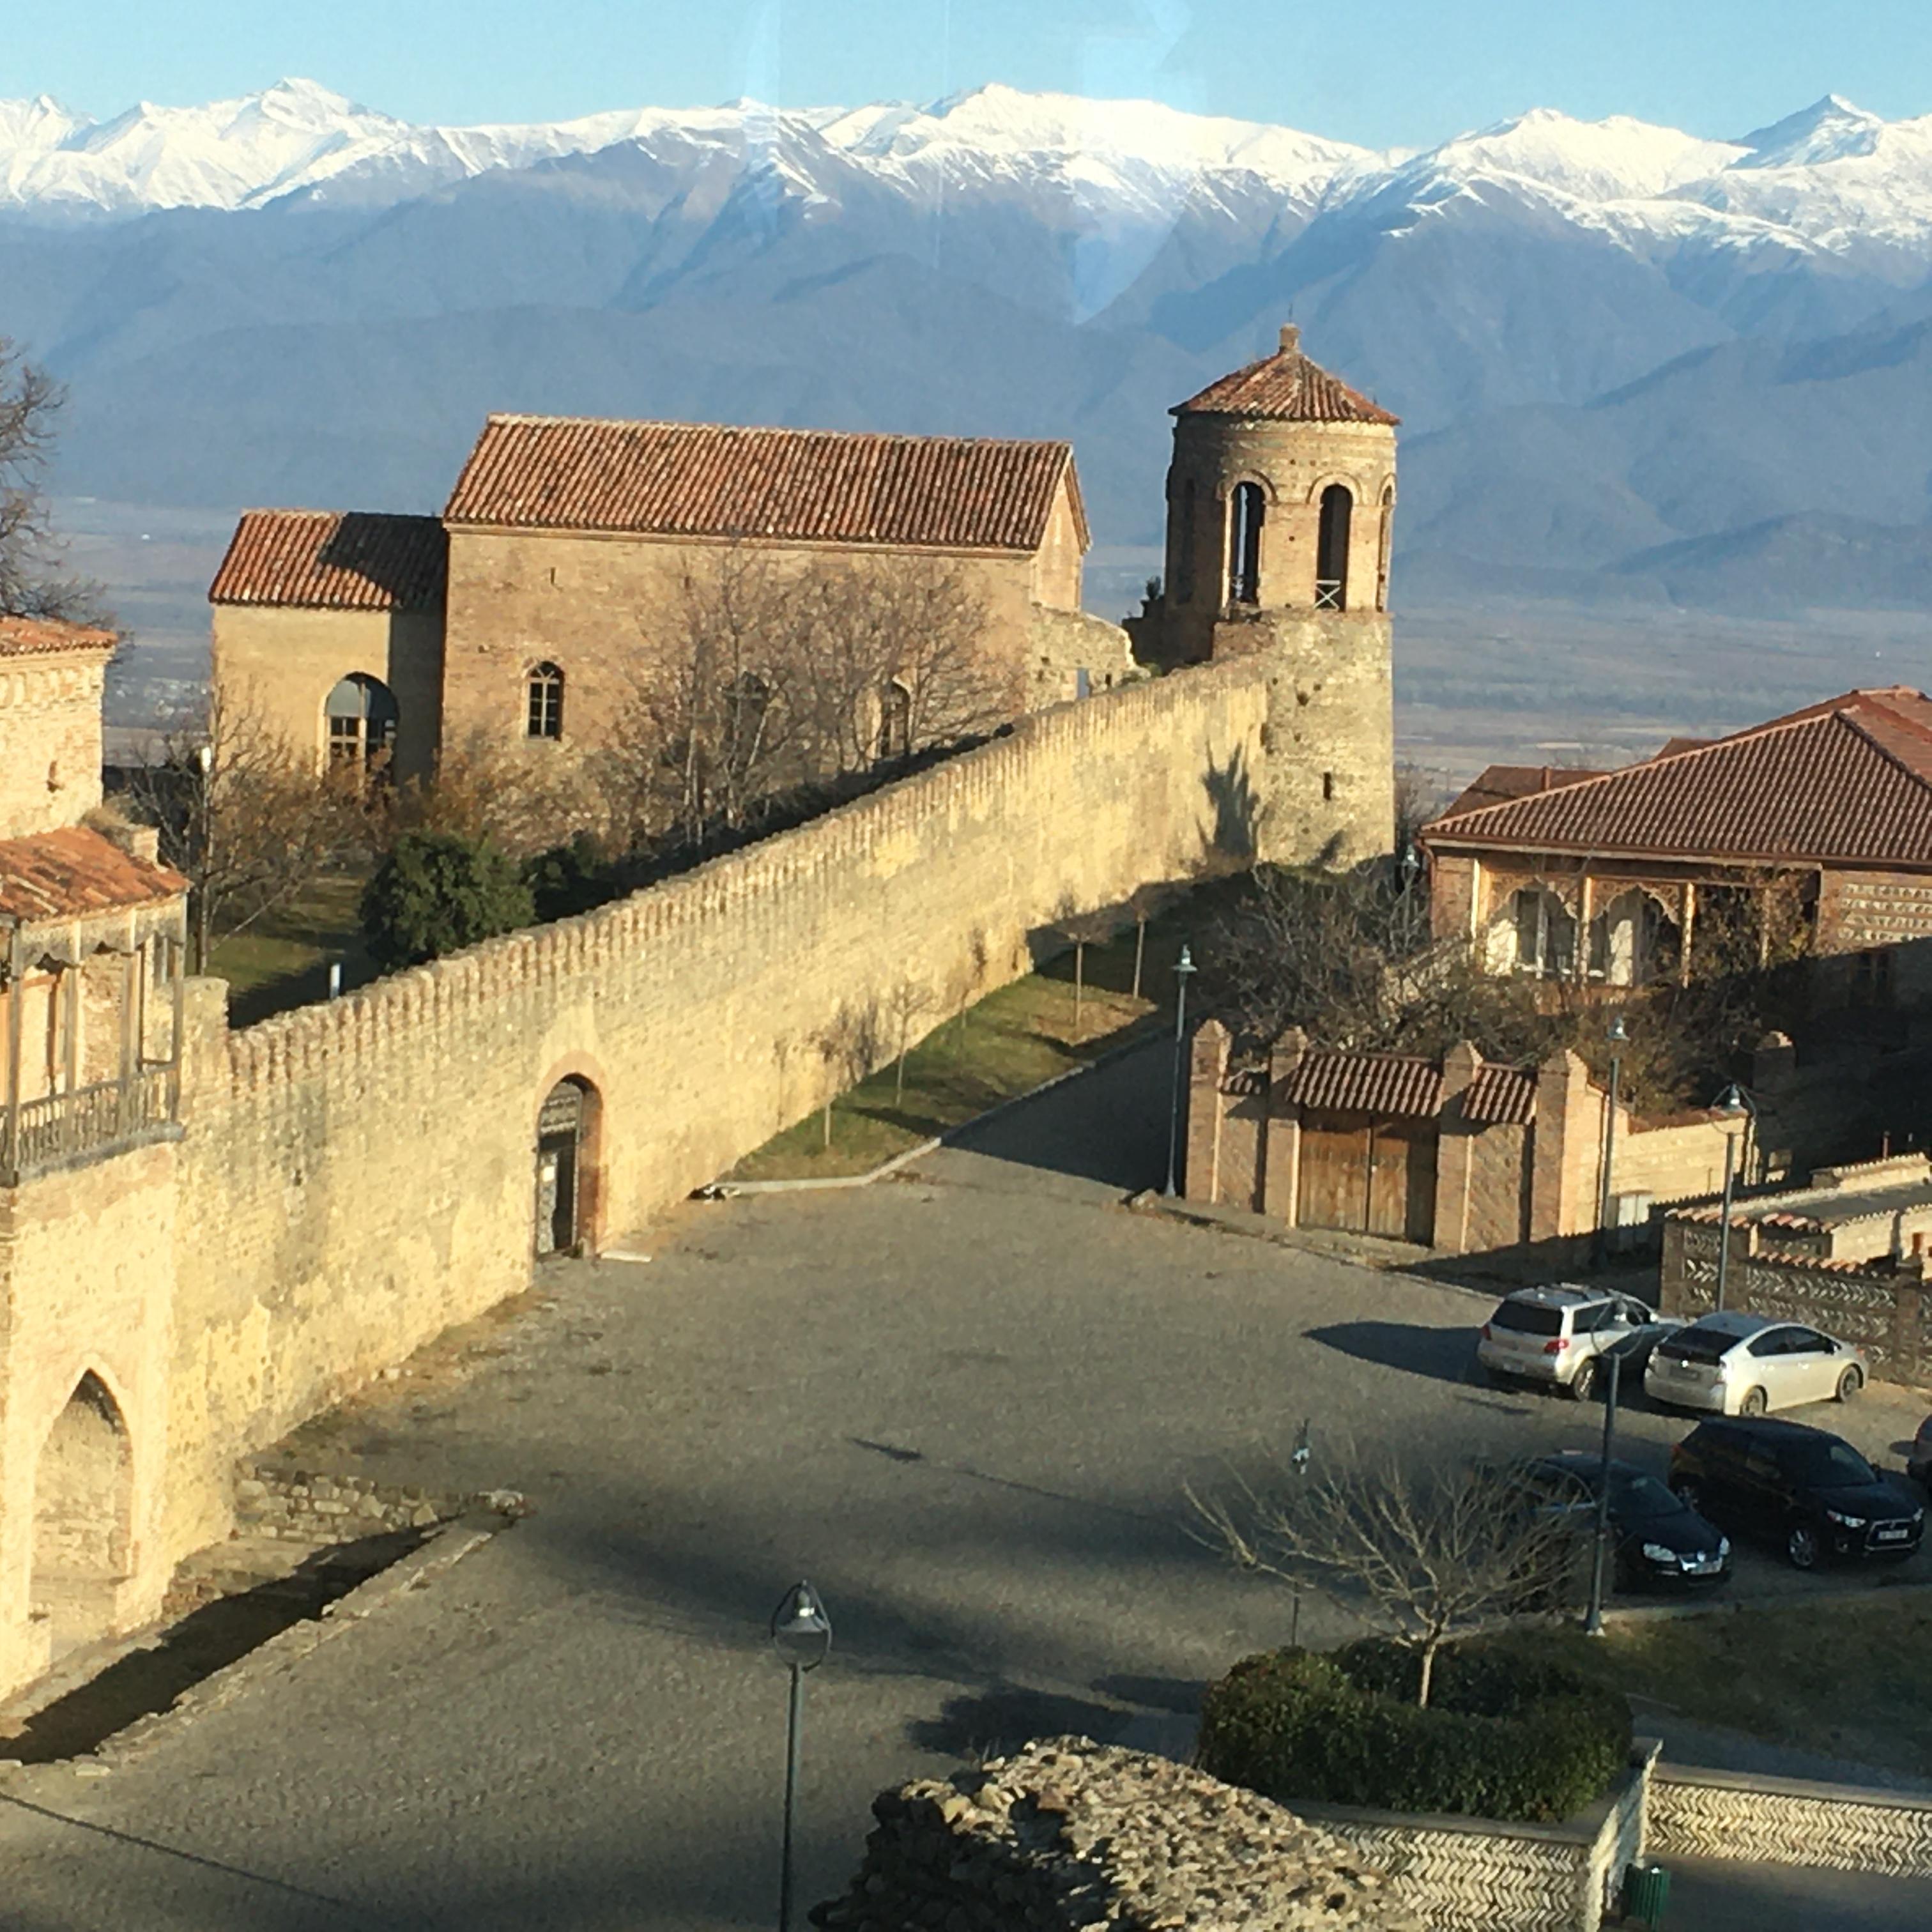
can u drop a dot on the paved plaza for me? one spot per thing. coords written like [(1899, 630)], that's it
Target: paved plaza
[(963, 1401)]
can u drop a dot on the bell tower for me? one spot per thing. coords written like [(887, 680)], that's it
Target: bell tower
[(1280, 502)]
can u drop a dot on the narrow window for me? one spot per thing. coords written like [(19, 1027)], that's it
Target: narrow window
[(894, 720), (1183, 555), (1244, 545), (1384, 544), (543, 691), (1331, 559), (1083, 682), (1328, 785)]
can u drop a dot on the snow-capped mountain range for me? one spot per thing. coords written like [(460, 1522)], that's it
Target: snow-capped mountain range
[(1610, 341)]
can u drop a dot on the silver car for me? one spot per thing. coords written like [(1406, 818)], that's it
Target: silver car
[(1739, 1364), (1563, 1335)]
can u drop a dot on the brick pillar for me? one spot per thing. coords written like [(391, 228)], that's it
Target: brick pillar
[(1565, 1121), (1456, 1139), (1281, 1172), (1207, 1068)]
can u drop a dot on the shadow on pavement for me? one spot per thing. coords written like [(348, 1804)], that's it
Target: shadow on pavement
[(1109, 1124), (1443, 1354), (990, 1723)]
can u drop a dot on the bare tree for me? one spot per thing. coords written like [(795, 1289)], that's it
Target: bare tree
[(1145, 903), (247, 824), (483, 790), (1426, 1553), (34, 580), (906, 1005), (848, 1043), (1085, 929)]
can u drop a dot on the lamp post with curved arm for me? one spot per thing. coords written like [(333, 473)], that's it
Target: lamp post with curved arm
[(1619, 1037), (1734, 1104), (802, 1635)]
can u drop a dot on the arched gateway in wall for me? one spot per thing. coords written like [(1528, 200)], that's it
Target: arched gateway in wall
[(83, 1516), (566, 1170)]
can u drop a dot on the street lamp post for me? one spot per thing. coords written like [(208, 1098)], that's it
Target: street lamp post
[(1619, 1037), (204, 762), (1183, 968), (1593, 1620), (1733, 1106), (802, 1635)]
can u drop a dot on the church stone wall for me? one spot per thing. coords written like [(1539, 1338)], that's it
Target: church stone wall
[(50, 711)]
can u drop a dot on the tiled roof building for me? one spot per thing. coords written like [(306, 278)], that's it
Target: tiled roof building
[(334, 560), (1599, 875), (1287, 386)]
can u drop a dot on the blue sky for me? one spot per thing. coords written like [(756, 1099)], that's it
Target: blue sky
[(1381, 72)]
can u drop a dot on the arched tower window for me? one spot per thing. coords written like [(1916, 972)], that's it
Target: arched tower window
[(1245, 508), (543, 691), (1383, 546), (894, 720), (1331, 551), (361, 713), (1183, 552)]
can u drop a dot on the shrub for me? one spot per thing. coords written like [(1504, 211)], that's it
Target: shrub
[(1508, 1735), (436, 892), (568, 879)]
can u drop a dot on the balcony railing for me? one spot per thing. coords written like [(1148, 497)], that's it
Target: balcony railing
[(1327, 593), (91, 1120)]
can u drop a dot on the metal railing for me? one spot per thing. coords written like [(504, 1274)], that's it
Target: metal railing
[(90, 1119), (1327, 593)]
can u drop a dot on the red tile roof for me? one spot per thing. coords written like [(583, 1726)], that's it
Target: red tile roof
[(1285, 387), (54, 875), (1367, 1083), (1849, 781), (1496, 784), (809, 486), (36, 637), (1501, 1095), (334, 560)]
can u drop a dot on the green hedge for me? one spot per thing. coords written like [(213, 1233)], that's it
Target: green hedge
[(1506, 1735)]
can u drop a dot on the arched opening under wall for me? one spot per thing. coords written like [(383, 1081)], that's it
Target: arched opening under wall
[(361, 717), (567, 1173), (1331, 548), (894, 720), (1246, 509), (543, 702), (1632, 941), (83, 1516)]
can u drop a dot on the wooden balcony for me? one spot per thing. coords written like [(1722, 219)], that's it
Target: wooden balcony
[(58, 1128)]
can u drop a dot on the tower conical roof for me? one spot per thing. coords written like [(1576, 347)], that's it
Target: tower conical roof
[(1285, 387)]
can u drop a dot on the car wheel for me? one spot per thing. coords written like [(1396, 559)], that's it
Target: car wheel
[(1755, 1402), (1801, 1546), (1583, 1383), (1850, 1383)]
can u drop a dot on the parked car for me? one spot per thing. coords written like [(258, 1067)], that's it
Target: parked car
[(1739, 1364), (1919, 1458), (1562, 1335), (1800, 1488), (1660, 1540)]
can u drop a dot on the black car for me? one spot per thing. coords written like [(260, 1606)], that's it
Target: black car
[(1660, 1541), (1801, 1490)]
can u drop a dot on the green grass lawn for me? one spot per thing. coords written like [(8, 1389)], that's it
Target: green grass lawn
[(1846, 1679), (1008, 1044), (282, 961)]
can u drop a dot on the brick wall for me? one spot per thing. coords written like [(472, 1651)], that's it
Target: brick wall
[(50, 733)]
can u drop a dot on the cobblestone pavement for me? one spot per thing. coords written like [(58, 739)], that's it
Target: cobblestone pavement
[(962, 1402)]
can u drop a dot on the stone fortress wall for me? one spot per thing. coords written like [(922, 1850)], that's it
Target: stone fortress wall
[(352, 1177)]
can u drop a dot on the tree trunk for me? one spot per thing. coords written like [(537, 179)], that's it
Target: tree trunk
[(1429, 1650), (1079, 983), (1140, 949), (828, 1123), (899, 1081)]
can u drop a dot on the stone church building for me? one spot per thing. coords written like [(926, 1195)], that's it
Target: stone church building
[(515, 619)]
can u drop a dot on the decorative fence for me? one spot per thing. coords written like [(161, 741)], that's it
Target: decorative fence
[(62, 1127)]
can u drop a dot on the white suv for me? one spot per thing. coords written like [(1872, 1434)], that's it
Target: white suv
[(1562, 1334)]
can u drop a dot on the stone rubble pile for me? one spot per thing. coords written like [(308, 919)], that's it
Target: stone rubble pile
[(1068, 1833)]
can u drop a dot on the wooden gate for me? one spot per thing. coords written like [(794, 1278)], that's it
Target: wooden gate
[(560, 1134), (1365, 1176)]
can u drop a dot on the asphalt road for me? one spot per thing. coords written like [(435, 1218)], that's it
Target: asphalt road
[(963, 1402)]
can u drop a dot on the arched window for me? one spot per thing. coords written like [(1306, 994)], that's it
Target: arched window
[(894, 720), (361, 713), (543, 708), (1331, 552), (1383, 546), (1183, 551), (1245, 509)]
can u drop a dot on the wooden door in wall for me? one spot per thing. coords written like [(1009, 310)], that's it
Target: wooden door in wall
[(1363, 1176), (559, 1129)]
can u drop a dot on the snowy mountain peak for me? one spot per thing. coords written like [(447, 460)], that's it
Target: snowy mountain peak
[(1616, 159), (1830, 130)]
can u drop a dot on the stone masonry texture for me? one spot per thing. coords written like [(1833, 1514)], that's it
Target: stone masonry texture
[(1067, 1833)]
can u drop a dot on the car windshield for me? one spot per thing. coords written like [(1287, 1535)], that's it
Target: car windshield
[(1527, 1318), (1829, 1465), (1699, 1344), (1634, 1495)]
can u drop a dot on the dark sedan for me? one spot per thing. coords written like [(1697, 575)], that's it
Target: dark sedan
[(1661, 1542)]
